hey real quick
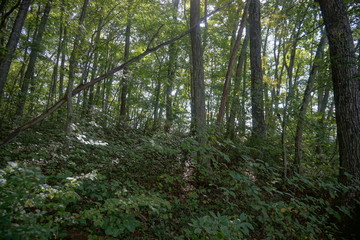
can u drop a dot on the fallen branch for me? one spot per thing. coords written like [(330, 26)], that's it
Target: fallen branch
[(84, 86)]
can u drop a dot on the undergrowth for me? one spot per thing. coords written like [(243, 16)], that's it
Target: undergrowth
[(119, 183)]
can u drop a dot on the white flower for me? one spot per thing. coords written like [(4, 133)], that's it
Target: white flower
[(2, 182), (13, 164)]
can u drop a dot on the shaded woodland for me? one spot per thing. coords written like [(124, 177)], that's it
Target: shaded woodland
[(179, 119)]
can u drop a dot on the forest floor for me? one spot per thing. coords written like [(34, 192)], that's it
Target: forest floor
[(120, 183)]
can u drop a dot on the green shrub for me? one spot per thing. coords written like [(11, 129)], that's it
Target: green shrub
[(217, 226), (120, 216), (29, 207)]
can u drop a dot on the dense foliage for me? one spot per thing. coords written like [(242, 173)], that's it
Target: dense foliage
[(140, 152), (121, 183)]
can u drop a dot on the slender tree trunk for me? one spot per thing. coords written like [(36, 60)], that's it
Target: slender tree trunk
[(6, 59), (62, 65), (322, 104), (171, 74), (94, 70), (55, 74), (157, 95), (72, 66), (235, 103), (305, 103), (289, 95), (346, 83), (29, 74), (231, 63), (267, 105), (257, 101), (242, 121), (197, 72), (170, 85), (124, 82)]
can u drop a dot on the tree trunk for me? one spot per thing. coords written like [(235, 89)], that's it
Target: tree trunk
[(35, 49), (197, 72), (55, 74), (171, 73), (305, 103), (5, 15), (346, 83), (124, 82), (6, 59), (289, 95), (257, 101), (94, 70), (231, 63), (72, 66), (323, 99), (62, 65), (235, 103), (157, 95)]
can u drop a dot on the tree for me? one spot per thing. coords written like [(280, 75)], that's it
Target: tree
[(257, 101), (231, 63), (305, 103), (171, 73), (35, 49), (197, 77), (124, 84), (346, 84), (96, 80), (72, 66), (6, 58), (235, 103)]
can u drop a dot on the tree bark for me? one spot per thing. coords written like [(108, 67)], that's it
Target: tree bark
[(197, 72), (124, 84), (257, 101), (6, 59), (346, 84)]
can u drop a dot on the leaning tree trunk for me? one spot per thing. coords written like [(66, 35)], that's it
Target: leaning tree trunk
[(346, 83), (257, 101), (305, 103), (233, 54), (6, 59)]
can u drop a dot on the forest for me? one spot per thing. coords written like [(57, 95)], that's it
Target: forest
[(179, 119)]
